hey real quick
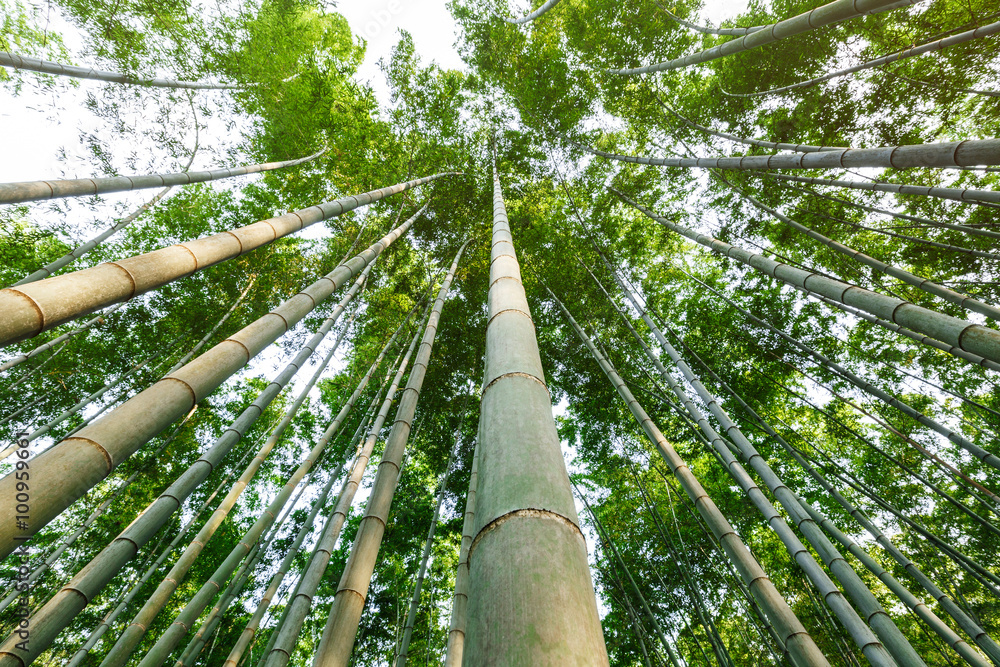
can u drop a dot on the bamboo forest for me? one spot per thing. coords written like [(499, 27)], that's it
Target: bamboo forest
[(656, 333)]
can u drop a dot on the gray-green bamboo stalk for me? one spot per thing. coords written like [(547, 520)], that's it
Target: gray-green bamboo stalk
[(824, 15), (953, 194), (924, 284), (96, 450), (12, 60), (411, 615), (460, 600), (936, 45), (527, 18), (709, 30), (946, 154), (295, 614), (526, 525), (793, 636), (895, 645), (345, 613), (133, 634), (15, 193), (36, 307), (960, 333)]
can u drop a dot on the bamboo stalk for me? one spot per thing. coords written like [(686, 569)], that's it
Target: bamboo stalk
[(36, 307), (100, 319), (411, 615), (345, 613), (824, 15), (460, 601), (8, 59), (954, 194), (527, 18), (960, 333)]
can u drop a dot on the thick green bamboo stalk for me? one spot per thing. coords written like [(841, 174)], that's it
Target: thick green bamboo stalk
[(954, 194), (96, 450), (36, 307), (531, 597), (88, 582), (295, 614), (460, 601), (960, 333), (411, 615), (946, 154), (790, 630), (936, 45), (609, 544), (924, 284), (527, 18), (14, 193), (345, 613), (133, 634), (824, 15), (12, 60), (100, 319)]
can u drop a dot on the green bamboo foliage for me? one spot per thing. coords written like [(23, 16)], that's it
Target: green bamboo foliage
[(14, 61), (345, 613), (136, 630), (411, 614), (279, 652), (988, 645), (957, 438), (100, 319), (971, 152), (774, 145), (527, 540), (610, 545), (97, 449), (953, 194), (707, 29), (824, 15), (527, 18), (956, 332), (936, 45), (921, 221), (791, 633), (924, 284), (460, 600), (15, 193), (218, 325), (39, 306)]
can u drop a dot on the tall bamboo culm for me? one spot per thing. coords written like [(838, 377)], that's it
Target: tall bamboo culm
[(793, 635), (460, 600), (12, 60), (338, 637), (41, 305), (531, 597)]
